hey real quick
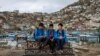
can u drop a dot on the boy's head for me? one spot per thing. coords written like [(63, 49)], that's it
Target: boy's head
[(50, 26), (41, 25), (60, 26)]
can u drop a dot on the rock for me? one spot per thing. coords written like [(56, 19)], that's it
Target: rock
[(12, 44)]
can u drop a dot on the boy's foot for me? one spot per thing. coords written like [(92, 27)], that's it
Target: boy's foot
[(58, 52), (52, 51), (61, 51)]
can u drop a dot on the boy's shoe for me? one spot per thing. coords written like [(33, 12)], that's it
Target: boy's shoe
[(61, 51), (58, 52)]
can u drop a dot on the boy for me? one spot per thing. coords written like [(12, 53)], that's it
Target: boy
[(39, 34), (60, 37), (50, 37)]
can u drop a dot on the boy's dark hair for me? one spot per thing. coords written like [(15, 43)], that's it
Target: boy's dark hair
[(51, 25), (60, 24), (41, 24)]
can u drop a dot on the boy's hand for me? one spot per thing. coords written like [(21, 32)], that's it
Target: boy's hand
[(52, 39), (61, 37), (42, 37)]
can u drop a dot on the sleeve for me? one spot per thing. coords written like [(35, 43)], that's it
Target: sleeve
[(56, 34), (46, 33), (36, 33)]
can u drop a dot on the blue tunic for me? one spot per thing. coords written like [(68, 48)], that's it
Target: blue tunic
[(50, 33), (61, 33), (38, 33), (61, 38)]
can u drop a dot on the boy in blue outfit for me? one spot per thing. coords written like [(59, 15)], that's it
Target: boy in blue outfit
[(39, 34), (50, 37), (60, 37)]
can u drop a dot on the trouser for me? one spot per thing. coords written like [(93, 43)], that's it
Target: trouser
[(41, 42), (51, 42), (60, 43), (42, 39)]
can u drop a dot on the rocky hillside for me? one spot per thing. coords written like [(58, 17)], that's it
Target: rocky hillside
[(19, 21), (81, 15), (84, 14)]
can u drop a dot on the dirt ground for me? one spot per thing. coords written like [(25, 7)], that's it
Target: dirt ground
[(10, 52), (92, 51)]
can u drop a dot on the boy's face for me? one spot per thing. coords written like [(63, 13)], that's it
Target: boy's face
[(41, 27), (59, 27), (50, 27)]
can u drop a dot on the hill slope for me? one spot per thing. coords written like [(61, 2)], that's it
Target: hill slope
[(81, 15), (84, 14)]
